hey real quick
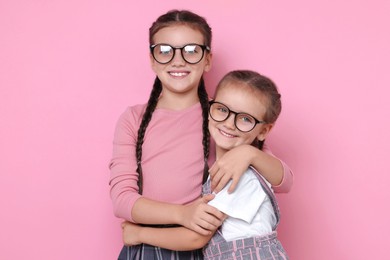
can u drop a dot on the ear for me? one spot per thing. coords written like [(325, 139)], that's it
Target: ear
[(208, 62), (264, 132)]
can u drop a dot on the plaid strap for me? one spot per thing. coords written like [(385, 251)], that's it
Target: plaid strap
[(271, 196)]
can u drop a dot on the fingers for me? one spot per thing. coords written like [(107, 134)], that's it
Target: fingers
[(210, 214), (126, 224), (213, 169), (209, 218), (217, 216), (233, 185), (213, 216), (202, 231), (123, 224), (215, 181), (207, 225), (206, 198), (219, 177), (222, 182)]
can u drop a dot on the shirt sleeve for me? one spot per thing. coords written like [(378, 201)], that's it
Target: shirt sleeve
[(124, 177), (244, 202), (288, 175)]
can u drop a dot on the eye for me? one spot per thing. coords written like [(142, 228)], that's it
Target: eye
[(165, 49), (191, 49), (222, 109), (244, 118)]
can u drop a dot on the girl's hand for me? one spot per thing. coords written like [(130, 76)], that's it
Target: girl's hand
[(130, 233), (201, 217), (231, 166)]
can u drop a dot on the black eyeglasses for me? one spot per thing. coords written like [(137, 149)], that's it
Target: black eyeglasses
[(244, 122), (192, 53)]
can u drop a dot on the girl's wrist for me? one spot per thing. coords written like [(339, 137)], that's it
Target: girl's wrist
[(177, 214), (252, 152), (142, 235)]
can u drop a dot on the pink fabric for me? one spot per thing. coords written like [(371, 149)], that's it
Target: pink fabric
[(172, 159), (288, 176)]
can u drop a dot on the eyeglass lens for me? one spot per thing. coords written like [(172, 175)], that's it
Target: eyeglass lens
[(191, 53), (244, 122)]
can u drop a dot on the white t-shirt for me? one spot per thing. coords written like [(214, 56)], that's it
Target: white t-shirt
[(249, 209)]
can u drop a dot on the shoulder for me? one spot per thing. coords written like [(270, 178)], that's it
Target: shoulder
[(133, 113), (130, 119), (135, 110)]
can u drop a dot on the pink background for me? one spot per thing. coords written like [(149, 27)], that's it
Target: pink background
[(69, 68)]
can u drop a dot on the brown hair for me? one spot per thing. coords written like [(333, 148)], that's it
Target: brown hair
[(196, 22), (184, 17), (259, 83)]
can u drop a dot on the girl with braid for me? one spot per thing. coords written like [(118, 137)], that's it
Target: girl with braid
[(162, 149), (244, 110)]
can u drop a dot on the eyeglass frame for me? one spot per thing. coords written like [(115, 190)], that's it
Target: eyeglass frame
[(211, 102), (203, 47)]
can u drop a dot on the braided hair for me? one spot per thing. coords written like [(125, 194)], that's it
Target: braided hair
[(204, 102), (195, 22), (151, 106)]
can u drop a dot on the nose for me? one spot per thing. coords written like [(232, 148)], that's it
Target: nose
[(229, 122), (178, 59)]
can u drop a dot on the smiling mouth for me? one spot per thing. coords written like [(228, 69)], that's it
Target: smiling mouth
[(178, 74), (226, 134)]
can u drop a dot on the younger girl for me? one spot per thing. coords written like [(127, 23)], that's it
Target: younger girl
[(243, 112), (161, 149)]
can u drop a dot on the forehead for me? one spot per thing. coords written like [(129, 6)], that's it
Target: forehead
[(178, 35)]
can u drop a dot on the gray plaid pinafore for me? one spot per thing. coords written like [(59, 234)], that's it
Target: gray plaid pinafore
[(266, 247), (148, 252)]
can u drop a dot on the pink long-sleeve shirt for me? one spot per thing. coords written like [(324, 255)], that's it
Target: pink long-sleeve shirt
[(172, 159)]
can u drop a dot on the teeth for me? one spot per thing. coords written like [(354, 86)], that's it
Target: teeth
[(225, 134), (178, 74)]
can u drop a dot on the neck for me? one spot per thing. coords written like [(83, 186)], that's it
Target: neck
[(175, 101)]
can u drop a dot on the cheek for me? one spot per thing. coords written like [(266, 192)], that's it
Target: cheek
[(155, 67), (248, 139), (212, 127)]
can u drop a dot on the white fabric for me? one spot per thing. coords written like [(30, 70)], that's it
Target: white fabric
[(249, 209)]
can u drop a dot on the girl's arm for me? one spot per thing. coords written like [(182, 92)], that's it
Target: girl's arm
[(130, 205), (237, 160), (197, 216), (178, 239)]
